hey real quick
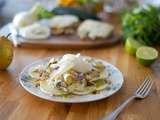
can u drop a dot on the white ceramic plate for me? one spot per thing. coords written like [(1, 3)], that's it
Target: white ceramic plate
[(114, 75)]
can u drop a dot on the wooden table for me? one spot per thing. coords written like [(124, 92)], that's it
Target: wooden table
[(18, 104)]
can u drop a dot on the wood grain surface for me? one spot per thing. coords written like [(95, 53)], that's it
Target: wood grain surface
[(18, 104), (70, 41)]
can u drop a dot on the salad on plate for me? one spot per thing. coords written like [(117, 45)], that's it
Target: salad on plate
[(70, 75)]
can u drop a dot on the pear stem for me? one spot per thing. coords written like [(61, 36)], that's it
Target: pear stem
[(8, 35)]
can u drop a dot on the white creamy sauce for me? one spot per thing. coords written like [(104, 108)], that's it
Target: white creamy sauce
[(79, 64)]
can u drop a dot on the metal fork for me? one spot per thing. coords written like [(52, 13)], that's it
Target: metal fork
[(140, 93)]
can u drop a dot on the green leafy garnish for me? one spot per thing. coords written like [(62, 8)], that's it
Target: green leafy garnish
[(40, 12), (142, 24)]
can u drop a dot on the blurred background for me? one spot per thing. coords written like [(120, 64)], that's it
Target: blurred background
[(8, 8)]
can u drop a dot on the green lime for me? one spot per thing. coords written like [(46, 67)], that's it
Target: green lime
[(146, 55), (132, 45)]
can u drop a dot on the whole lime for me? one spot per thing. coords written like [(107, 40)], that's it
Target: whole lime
[(132, 45)]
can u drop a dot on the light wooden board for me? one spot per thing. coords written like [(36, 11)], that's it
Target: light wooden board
[(70, 42), (64, 41)]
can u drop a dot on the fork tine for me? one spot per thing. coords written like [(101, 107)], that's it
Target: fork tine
[(145, 87), (148, 90), (142, 85)]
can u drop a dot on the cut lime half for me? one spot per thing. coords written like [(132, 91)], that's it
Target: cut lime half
[(132, 45), (146, 55)]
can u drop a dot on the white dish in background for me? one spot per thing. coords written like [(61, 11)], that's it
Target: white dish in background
[(114, 75)]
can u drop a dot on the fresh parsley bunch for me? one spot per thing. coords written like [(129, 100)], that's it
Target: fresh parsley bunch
[(143, 24)]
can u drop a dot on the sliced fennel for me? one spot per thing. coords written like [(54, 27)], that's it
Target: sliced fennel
[(85, 91), (102, 76), (65, 66), (50, 89), (100, 84)]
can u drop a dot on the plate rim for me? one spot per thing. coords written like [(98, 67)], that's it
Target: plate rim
[(67, 101)]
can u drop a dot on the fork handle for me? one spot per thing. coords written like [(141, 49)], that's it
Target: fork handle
[(115, 113)]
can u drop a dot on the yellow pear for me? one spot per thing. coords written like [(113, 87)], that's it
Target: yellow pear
[(6, 52)]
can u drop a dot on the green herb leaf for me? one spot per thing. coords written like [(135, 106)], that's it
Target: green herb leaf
[(143, 24)]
